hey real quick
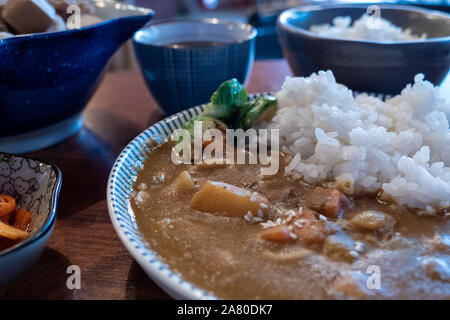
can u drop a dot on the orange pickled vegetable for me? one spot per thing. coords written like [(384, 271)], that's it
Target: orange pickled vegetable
[(14, 222), (7, 204), (11, 232), (22, 219), (306, 230)]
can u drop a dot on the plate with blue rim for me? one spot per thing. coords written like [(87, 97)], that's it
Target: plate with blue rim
[(119, 189)]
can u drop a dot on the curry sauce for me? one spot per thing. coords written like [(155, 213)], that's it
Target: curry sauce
[(368, 250)]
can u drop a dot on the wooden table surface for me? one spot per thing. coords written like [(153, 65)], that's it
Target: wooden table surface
[(83, 236)]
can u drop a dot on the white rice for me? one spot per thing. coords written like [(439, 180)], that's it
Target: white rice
[(365, 28), (362, 144)]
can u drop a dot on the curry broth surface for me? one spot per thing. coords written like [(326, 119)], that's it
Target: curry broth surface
[(227, 257)]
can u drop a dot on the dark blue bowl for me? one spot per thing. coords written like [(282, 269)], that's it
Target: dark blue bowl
[(48, 78), (180, 77), (384, 67)]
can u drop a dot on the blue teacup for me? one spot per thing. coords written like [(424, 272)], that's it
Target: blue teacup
[(184, 61)]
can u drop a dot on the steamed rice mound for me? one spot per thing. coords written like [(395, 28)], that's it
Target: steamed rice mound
[(364, 145), (364, 29)]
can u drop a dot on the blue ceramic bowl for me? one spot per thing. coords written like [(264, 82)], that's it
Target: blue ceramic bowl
[(35, 185), (180, 77), (46, 79), (384, 67)]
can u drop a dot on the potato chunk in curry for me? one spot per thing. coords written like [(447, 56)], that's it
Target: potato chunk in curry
[(227, 199)]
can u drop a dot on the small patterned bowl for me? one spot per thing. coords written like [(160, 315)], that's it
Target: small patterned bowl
[(183, 76), (35, 185)]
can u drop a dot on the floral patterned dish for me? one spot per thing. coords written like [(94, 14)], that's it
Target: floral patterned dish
[(35, 184)]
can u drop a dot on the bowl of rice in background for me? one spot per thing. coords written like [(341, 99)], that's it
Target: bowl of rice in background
[(366, 53)]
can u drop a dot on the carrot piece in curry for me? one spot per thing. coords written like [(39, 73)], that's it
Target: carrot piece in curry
[(306, 229), (14, 222), (310, 231)]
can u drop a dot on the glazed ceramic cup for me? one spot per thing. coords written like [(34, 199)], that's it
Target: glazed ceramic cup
[(182, 76)]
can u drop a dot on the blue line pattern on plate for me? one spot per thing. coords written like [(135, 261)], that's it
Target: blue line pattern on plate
[(121, 180)]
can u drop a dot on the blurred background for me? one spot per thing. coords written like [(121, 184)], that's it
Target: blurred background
[(262, 14)]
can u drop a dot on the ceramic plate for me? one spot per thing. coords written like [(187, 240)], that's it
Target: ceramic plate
[(119, 188)]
